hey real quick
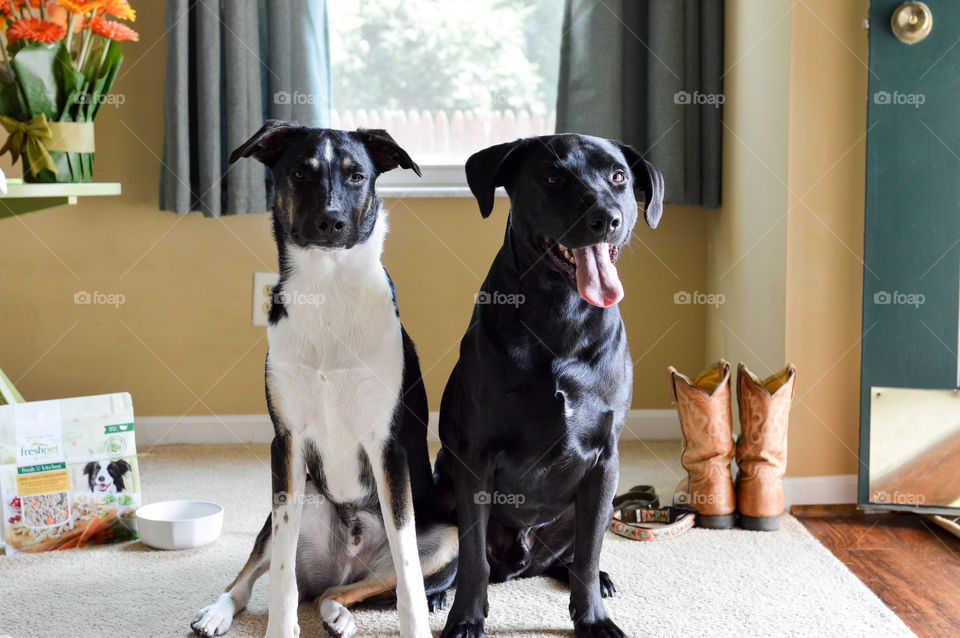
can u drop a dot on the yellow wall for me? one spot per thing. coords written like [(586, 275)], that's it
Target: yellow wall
[(828, 96), (182, 343), (747, 236)]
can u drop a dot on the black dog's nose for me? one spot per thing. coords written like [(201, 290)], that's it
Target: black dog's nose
[(331, 222), (602, 222)]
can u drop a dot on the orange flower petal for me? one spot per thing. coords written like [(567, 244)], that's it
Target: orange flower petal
[(35, 29)]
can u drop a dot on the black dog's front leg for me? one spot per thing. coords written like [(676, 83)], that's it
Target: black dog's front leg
[(473, 485), (593, 511)]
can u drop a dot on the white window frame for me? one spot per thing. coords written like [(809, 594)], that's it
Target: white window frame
[(439, 180)]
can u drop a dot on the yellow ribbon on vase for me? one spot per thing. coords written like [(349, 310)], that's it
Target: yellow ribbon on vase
[(37, 137)]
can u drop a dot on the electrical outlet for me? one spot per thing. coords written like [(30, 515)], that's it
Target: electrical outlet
[(263, 283)]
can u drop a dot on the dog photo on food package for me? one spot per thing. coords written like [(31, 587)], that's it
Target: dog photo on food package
[(68, 473)]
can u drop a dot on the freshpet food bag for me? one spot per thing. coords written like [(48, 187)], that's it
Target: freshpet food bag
[(68, 472)]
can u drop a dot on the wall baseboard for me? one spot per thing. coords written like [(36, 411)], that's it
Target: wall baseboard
[(819, 490), (640, 425), (256, 428)]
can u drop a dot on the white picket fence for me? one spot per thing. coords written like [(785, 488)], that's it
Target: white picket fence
[(442, 134)]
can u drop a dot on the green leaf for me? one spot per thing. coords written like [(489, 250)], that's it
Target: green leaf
[(37, 73)]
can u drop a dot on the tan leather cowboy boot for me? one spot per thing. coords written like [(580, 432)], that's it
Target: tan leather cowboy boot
[(706, 427), (762, 446)]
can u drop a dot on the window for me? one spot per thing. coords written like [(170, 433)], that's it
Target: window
[(445, 77)]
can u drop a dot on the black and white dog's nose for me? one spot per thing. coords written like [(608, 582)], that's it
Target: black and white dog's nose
[(331, 222)]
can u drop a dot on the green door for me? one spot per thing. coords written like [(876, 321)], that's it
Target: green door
[(911, 280)]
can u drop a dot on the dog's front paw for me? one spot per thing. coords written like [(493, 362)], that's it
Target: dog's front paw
[(437, 601), (463, 629), (606, 585), (602, 628), (276, 631), (215, 619)]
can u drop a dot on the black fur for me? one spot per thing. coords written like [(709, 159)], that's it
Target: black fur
[(536, 402)]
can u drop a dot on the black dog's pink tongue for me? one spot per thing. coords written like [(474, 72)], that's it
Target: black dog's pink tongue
[(597, 279)]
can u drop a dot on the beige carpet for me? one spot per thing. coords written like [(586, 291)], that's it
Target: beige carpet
[(721, 583)]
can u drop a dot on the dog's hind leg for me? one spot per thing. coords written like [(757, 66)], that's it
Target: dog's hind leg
[(215, 619), (437, 548)]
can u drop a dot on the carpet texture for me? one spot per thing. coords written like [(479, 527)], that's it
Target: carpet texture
[(703, 583)]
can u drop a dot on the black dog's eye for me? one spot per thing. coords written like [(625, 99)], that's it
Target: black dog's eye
[(618, 177), (357, 177), (554, 179), (299, 174)]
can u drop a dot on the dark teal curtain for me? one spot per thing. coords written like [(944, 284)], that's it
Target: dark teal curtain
[(649, 73), (231, 64)]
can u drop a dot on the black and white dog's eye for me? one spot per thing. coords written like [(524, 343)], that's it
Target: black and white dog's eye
[(618, 176), (553, 179), (299, 174), (357, 177)]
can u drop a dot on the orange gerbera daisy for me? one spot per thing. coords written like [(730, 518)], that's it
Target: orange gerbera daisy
[(112, 30), (35, 29), (120, 9), (80, 6)]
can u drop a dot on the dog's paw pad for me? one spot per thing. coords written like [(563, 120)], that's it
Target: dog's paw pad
[(606, 585), (337, 619), (214, 620)]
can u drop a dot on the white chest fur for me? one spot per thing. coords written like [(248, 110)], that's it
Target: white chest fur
[(335, 363)]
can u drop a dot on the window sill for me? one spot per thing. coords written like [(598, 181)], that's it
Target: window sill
[(439, 180)]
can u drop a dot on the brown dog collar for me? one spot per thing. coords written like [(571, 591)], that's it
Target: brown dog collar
[(638, 516)]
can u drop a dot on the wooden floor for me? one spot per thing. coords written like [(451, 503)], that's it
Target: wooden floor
[(911, 564)]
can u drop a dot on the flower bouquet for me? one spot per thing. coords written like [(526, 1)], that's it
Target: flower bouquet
[(60, 60)]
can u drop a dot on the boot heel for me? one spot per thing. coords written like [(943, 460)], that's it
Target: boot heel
[(759, 523), (724, 521)]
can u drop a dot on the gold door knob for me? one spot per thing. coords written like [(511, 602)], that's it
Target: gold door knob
[(911, 22)]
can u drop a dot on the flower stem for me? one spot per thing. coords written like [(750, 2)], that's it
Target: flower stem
[(43, 10), (85, 48), (103, 56), (70, 36)]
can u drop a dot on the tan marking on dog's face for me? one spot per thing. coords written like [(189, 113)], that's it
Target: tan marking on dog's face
[(314, 163)]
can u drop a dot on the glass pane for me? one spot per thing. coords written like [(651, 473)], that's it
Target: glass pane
[(446, 77)]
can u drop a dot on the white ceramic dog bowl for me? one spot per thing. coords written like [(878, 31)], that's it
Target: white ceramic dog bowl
[(179, 524)]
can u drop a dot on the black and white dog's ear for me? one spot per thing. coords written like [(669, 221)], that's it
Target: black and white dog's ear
[(384, 150), (492, 167), (89, 468), (267, 143), (119, 468), (648, 179)]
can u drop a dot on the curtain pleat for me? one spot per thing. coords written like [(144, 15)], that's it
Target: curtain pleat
[(633, 70), (229, 65)]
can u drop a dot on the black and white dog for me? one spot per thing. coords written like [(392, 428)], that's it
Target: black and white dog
[(532, 412), (106, 477), (346, 398)]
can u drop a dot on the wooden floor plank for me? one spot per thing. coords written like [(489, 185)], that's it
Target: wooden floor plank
[(912, 565)]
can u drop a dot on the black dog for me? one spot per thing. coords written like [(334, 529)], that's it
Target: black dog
[(106, 477), (532, 412)]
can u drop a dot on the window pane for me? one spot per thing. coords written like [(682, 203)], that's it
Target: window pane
[(446, 77)]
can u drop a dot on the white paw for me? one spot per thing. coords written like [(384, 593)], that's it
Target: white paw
[(337, 619), (273, 631), (215, 619)]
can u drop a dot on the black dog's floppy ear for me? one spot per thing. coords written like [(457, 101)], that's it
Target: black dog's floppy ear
[(88, 468), (489, 168), (650, 181), (267, 143), (384, 150)]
